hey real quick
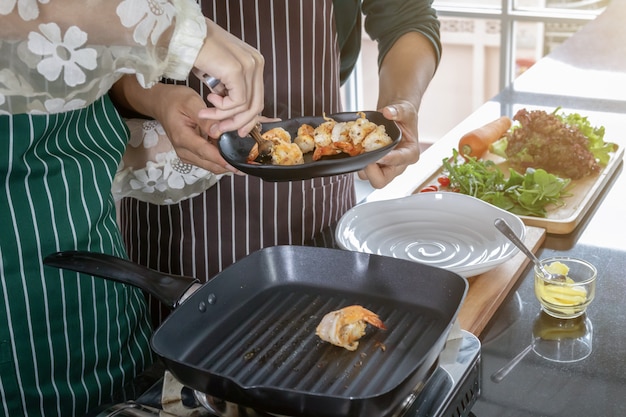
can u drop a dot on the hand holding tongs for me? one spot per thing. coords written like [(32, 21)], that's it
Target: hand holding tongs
[(216, 86)]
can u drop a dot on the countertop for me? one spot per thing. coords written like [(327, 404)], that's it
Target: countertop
[(587, 75)]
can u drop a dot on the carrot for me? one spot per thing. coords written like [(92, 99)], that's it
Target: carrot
[(476, 142)]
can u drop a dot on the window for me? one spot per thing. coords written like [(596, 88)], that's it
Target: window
[(486, 45)]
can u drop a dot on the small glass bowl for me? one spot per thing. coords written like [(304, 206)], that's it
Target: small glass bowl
[(562, 340), (569, 299)]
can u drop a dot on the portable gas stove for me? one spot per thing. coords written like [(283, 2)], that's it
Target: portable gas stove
[(450, 391)]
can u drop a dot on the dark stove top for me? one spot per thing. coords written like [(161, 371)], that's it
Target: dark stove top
[(450, 391)]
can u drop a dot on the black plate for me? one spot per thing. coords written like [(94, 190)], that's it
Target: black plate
[(235, 150)]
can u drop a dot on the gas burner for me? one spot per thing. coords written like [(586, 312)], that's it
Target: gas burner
[(221, 408), (450, 391)]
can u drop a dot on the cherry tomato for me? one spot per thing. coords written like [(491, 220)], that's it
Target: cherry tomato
[(443, 181), (429, 188)]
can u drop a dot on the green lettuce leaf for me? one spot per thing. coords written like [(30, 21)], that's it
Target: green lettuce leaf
[(597, 146)]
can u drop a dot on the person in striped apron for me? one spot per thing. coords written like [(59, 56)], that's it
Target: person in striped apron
[(69, 341), (310, 47)]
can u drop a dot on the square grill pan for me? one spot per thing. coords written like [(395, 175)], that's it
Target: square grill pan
[(248, 335)]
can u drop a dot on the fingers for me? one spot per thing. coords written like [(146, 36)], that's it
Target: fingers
[(390, 112), (194, 148), (403, 112), (407, 152), (240, 69), (241, 123), (205, 155), (178, 116), (263, 119), (380, 175)]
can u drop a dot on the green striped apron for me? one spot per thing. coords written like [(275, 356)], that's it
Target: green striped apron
[(67, 341)]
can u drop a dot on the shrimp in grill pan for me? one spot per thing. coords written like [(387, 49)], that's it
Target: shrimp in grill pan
[(346, 326)]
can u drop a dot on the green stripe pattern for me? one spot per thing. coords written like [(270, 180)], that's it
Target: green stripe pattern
[(67, 341)]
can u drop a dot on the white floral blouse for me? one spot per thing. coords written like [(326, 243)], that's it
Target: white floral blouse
[(72, 56)]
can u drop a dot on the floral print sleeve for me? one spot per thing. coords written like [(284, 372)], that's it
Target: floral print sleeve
[(151, 170), (57, 55)]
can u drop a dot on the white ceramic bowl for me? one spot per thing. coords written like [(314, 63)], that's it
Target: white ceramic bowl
[(443, 229)]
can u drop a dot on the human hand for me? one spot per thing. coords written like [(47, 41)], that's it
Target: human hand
[(240, 68), (178, 114), (407, 152)]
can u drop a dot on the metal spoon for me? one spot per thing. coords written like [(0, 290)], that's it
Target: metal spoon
[(501, 373), (216, 86), (506, 230)]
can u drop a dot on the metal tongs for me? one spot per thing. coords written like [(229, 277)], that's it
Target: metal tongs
[(216, 86)]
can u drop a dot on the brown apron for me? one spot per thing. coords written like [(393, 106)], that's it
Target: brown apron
[(201, 236)]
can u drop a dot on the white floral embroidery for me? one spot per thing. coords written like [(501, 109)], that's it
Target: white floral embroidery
[(13, 81), (175, 179), (151, 131), (153, 172), (27, 9), (149, 179), (160, 176), (62, 53), (178, 181), (42, 59), (57, 105), (151, 18)]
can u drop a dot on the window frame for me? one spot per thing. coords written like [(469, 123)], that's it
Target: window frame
[(508, 16)]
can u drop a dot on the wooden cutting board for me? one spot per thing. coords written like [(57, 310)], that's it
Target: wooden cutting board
[(582, 194), (487, 291)]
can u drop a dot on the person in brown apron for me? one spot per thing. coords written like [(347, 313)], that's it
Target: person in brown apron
[(309, 48)]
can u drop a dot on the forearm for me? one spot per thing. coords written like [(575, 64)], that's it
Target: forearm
[(132, 100), (407, 70)]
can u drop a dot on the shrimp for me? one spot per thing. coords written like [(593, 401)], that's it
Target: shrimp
[(321, 151), (330, 138), (341, 132), (341, 143), (253, 154), (360, 128), (346, 326), (323, 134), (350, 148), (277, 135), (377, 139), (287, 154), (323, 137), (284, 152), (304, 138)]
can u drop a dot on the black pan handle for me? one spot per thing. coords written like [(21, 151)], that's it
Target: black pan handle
[(169, 289)]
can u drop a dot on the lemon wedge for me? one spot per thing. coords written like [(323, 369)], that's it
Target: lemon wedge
[(557, 268), (563, 295)]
